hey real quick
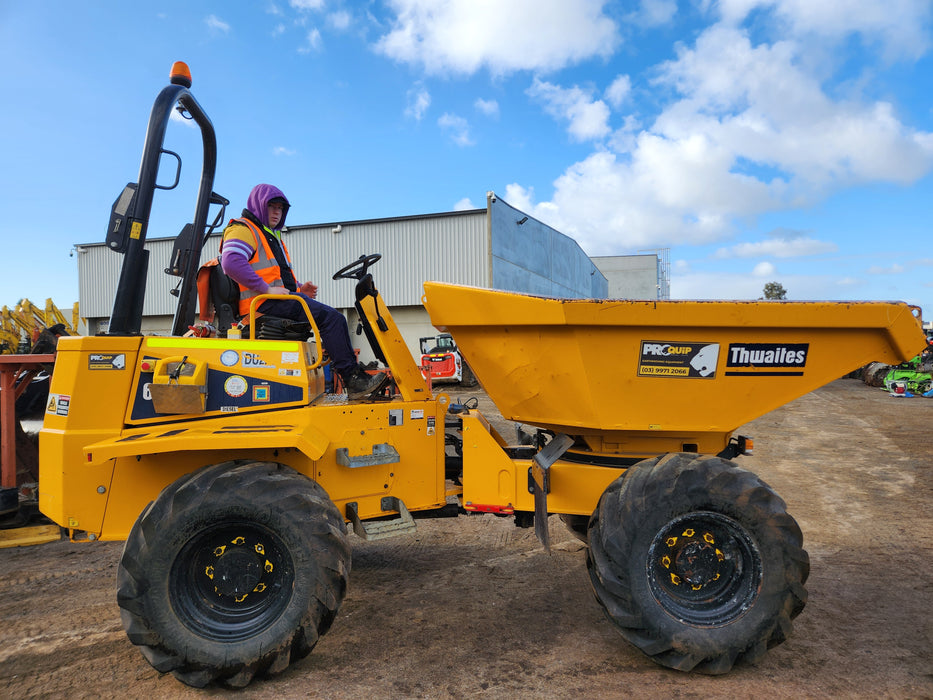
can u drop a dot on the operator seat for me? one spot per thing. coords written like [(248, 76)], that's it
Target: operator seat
[(225, 297)]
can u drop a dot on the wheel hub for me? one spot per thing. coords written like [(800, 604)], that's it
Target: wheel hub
[(697, 563), (703, 568), (231, 580), (236, 573)]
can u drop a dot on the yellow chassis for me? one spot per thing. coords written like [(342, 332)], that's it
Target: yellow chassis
[(128, 416)]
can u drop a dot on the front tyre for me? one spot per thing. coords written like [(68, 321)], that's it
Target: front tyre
[(234, 571), (697, 562)]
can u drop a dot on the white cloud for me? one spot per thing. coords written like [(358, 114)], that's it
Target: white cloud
[(588, 118), (216, 24), (464, 205), (419, 99), (764, 269), (457, 127), (750, 285), (779, 248), (503, 36), (306, 5), (900, 27), (717, 285), (743, 130), (488, 107), (339, 20), (619, 91), (653, 13), (283, 151), (758, 103), (894, 269), (313, 42)]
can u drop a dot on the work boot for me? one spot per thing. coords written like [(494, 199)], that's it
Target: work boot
[(360, 384)]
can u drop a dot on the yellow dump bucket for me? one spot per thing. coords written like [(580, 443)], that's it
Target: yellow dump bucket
[(590, 366)]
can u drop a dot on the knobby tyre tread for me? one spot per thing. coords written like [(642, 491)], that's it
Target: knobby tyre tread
[(211, 531), (747, 590)]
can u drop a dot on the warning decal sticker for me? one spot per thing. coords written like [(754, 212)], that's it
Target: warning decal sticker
[(58, 404), (678, 359)]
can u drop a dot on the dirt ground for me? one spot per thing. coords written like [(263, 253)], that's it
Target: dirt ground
[(473, 606)]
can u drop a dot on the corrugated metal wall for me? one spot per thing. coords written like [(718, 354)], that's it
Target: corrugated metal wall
[(99, 273), (450, 247), (498, 247), (442, 247)]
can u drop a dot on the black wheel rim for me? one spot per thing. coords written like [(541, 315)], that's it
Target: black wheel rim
[(704, 569), (231, 581)]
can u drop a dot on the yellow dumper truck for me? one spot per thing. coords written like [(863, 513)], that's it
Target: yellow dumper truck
[(235, 478)]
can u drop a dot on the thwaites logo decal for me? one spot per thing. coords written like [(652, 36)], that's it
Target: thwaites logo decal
[(766, 359), (661, 358)]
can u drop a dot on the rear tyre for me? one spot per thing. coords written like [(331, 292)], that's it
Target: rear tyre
[(697, 562), (232, 572)]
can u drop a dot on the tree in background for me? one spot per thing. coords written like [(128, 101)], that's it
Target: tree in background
[(775, 290)]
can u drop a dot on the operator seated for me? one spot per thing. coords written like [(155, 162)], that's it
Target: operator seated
[(253, 254)]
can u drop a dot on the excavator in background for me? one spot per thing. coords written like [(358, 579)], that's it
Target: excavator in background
[(21, 326)]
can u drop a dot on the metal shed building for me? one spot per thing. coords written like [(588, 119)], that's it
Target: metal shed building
[(499, 247)]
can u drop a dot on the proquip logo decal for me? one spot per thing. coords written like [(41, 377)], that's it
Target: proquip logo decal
[(678, 359), (766, 359)]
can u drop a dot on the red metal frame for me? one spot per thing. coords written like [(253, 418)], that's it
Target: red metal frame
[(11, 366)]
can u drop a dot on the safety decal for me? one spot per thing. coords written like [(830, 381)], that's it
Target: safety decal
[(58, 404), (235, 386), (289, 372), (290, 358), (97, 360), (417, 414), (766, 359), (678, 359), (228, 358), (261, 393)]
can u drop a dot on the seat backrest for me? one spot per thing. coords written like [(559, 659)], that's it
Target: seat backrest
[(225, 296)]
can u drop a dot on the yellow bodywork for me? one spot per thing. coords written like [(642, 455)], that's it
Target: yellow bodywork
[(128, 416), (618, 372), (107, 450)]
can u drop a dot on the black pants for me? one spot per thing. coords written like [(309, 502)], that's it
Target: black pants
[(335, 335)]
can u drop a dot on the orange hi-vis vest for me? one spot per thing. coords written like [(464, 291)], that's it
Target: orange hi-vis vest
[(263, 262)]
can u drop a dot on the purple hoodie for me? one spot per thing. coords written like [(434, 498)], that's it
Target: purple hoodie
[(258, 203), (235, 255)]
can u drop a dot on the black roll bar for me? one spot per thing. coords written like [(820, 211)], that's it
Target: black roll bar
[(126, 317)]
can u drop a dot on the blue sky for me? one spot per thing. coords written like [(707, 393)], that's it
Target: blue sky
[(757, 140)]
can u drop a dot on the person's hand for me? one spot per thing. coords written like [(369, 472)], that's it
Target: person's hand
[(309, 289), (276, 290)]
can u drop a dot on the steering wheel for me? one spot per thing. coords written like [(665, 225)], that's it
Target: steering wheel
[(357, 269)]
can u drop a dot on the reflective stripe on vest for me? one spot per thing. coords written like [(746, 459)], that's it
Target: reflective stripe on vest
[(263, 263)]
